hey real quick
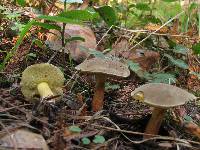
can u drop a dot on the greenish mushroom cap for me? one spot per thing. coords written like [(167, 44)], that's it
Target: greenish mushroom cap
[(37, 73), (163, 95)]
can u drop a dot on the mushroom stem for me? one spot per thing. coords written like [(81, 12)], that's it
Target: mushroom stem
[(155, 122), (97, 102), (44, 90)]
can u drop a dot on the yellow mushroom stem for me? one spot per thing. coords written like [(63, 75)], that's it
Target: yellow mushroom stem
[(97, 102), (44, 90), (155, 122)]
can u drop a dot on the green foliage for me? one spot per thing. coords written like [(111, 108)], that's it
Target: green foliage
[(86, 141), (75, 38), (108, 14), (21, 2), (180, 49), (162, 78), (142, 6), (196, 48), (81, 15), (58, 19), (109, 86), (98, 139), (177, 62), (75, 129)]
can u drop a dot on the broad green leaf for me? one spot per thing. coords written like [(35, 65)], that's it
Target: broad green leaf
[(75, 38), (59, 19), (21, 2), (177, 62), (196, 48), (47, 26), (107, 13), (83, 15), (180, 49), (98, 139), (163, 78), (85, 141), (75, 129), (143, 6)]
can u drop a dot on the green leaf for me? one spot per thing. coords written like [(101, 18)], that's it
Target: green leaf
[(180, 49), (177, 62), (98, 139), (38, 42), (59, 19), (135, 67), (196, 48), (163, 78), (25, 30), (21, 2), (169, 0), (75, 129), (27, 27), (107, 13), (75, 38), (92, 52), (47, 26), (143, 6), (32, 55), (187, 118), (86, 141), (82, 15), (109, 86)]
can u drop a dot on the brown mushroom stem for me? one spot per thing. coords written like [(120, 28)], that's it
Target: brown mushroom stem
[(155, 122), (97, 102), (44, 90)]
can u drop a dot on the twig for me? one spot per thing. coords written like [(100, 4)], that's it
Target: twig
[(157, 30), (8, 109), (152, 33), (156, 137), (104, 36), (27, 113)]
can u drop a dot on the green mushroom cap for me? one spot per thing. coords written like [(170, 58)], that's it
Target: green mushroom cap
[(38, 73)]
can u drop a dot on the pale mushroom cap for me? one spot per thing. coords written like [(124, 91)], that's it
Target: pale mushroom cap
[(37, 73), (163, 95), (104, 66), (24, 139)]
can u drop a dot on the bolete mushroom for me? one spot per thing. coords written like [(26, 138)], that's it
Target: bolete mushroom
[(102, 68), (43, 79), (161, 96)]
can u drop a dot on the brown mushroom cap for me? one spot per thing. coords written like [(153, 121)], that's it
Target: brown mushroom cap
[(38, 73), (163, 95), (104, 66)]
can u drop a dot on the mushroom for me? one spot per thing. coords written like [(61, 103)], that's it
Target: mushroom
[(161, 96), (102, 68), (42, 79)]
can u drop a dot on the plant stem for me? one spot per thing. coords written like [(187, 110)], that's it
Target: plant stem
[(97, 102), (155, 122)]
